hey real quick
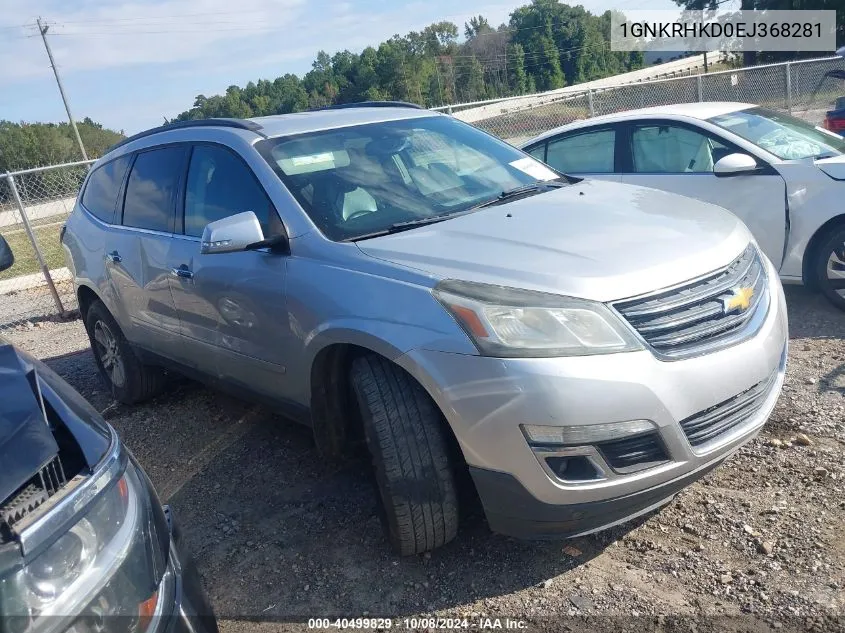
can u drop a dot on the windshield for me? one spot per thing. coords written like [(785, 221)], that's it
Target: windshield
[(784, 136), (359, 180)]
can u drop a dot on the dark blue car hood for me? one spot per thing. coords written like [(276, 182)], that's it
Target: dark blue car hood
[(26, 442)]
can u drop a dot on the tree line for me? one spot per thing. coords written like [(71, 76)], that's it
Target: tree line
[(26, 145), (545, 45), (751, 58)]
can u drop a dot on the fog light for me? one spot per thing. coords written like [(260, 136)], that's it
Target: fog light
[(575, 468), (585, 434)]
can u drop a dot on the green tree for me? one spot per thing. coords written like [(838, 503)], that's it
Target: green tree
[(545, 45), (473, 80), (751, 57), (476, 26), (550, 75), (517, 77), (25, 145)]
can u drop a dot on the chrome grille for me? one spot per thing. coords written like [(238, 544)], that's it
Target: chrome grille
[(693, 317), (708, 425)]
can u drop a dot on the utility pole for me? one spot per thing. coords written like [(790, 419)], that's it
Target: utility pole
[(43, 31)]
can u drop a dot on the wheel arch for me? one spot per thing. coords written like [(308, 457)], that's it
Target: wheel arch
[(85, 296), (334, 411), (813, 245)]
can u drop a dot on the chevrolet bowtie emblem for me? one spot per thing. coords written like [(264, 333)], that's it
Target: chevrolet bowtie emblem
[(739, 301)]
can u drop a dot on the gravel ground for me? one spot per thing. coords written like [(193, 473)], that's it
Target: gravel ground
[(280, 536)]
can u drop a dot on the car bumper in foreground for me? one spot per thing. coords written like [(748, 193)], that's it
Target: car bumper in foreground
[(189, 610)]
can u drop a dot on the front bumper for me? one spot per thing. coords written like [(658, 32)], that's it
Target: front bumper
[(188, 610), (485, 400), (516, 512)]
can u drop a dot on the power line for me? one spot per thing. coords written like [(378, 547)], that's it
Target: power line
[(155, 21), (163, 17)]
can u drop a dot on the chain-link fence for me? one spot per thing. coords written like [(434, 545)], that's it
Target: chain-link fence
[(34, 205), (799, 87)]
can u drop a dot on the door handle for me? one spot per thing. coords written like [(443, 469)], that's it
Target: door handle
[(114, 257), (183, 272)]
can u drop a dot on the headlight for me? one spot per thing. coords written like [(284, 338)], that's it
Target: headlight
[(104, 573), (508, 322)]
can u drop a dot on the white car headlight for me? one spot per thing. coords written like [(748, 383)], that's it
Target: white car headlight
[(509, 322), (103, 573)]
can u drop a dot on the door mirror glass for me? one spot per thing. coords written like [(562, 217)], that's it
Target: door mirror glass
[(7, 259), (734, 164), (236, 233)]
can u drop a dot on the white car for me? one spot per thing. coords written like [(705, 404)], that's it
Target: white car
[(783, 177)]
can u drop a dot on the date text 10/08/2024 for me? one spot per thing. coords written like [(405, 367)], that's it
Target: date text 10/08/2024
[(413, 624)]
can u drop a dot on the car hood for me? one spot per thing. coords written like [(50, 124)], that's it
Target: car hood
[(594, 239), (833, 167), (26, 442)]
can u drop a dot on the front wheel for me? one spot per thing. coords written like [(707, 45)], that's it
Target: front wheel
[(410, 453), (129, 380), (829, 267)]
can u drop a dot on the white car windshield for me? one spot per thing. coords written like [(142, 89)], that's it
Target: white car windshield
[(357, 181), (785, 136)]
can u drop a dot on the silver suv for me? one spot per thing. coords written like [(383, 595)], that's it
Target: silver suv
[(391, 275)]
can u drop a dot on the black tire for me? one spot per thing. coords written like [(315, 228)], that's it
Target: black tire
[(831, 251), (405, 436), (135, 382)]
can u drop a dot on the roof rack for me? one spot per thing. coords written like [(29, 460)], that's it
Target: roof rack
[(371, 104), (241, 124)]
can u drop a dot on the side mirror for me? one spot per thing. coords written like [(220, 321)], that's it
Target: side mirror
[(735, 165), (7, 258), (238, 232)]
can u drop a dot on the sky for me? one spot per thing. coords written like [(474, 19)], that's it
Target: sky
[(130, 63)]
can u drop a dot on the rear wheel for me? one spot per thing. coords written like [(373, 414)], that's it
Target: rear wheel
[(829, 267), (129, 380), (405, 436)]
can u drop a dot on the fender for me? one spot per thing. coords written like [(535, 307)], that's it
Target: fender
[(811, 204), (328, 400), (386, 338)]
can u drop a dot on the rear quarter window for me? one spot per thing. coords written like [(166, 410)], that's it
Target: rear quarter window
[(100, 195)]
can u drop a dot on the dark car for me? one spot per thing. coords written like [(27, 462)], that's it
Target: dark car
[(834, 120), (85, 543)]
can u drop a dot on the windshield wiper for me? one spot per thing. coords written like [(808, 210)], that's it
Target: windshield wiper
[(531, 188), (398, 227)]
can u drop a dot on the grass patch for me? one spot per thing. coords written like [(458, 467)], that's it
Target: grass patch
[(25, 261)]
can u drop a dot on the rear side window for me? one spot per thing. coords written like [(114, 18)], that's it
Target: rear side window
[(150, 191), (590, 153), (100, 196), (219, 185)]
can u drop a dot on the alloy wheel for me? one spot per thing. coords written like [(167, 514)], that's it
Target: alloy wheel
[(109, 354)]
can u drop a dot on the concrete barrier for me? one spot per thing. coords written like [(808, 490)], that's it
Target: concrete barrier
[(38, 211)]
